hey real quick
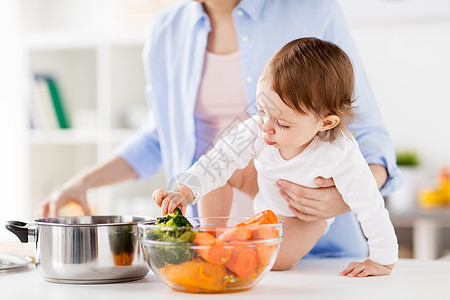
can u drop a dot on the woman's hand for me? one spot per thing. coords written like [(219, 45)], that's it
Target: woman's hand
[(73, 191), (116, 169), (366, 268), (312, 204)]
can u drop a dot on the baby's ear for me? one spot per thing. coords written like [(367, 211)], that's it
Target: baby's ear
[(329, 122)]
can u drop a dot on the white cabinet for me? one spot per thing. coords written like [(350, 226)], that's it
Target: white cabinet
[(95, 57)]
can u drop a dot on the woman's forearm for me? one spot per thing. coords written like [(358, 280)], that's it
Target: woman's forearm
[(112, 171), (380, 174)]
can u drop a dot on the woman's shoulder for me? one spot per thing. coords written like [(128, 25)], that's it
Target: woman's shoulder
[(167, 19)]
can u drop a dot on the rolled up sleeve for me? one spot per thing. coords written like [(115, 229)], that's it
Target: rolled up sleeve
[(377, 149), (142, 152)]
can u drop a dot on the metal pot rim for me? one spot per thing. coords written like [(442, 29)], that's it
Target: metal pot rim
[(59, 221)]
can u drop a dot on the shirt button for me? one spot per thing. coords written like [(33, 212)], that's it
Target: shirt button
[(245, 38), (240, 13), (249, 79)]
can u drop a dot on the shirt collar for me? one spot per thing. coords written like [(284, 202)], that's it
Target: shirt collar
[(197, 13), (252, 7)]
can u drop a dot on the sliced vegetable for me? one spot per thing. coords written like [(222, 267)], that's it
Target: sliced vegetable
[(243, 260), (264, 233), (238, 233), (211, 229), (264, 217), (265, 253), (218, 253), (213, 251), (204, 239), (196, 275)]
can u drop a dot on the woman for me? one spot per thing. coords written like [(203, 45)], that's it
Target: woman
[(201, 60)]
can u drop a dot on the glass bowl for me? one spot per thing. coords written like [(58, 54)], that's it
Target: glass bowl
[(215, 256)]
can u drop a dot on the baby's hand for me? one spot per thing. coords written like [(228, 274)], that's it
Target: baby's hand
[(366, 268), (168, 201)]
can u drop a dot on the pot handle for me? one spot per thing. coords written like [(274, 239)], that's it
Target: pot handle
[(22, 231)]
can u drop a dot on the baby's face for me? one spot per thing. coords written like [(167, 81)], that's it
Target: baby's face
[(281, 126)]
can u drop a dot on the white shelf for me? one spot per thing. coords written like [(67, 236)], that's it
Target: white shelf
[(77, 137), (60, 40), (95, 58)]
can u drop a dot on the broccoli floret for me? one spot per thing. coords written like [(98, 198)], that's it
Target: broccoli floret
[(176, 229), (163, 220), (188, 236), (170, 254), (175, 219), (178, 221)]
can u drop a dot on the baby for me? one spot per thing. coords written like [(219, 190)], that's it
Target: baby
[(304, 100)]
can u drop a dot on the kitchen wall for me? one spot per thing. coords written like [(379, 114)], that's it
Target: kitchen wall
[(404, 45), (406, 55)]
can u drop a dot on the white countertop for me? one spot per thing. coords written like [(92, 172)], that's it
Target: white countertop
[(310, 279)]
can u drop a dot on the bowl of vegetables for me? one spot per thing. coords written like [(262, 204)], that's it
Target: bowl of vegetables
[(211, 254)]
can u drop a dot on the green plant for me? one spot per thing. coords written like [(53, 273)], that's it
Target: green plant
[(407, 158)]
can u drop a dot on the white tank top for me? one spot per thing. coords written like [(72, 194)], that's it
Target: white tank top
[(221, 100)]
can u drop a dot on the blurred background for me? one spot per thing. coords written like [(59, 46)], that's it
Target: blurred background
[(72, 88)]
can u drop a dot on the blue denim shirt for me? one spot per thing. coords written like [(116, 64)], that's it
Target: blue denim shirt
[(173, 62)]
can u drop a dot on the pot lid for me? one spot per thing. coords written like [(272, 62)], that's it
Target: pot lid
[(10, 262)]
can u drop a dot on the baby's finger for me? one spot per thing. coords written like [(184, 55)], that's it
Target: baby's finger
[(366, 272), (349, 268), (155, 197), (176, 202), (356, 271), (159, 196), (375, 271), (165, 205)]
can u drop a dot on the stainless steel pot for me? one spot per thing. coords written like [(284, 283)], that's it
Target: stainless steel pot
[(86, 249)]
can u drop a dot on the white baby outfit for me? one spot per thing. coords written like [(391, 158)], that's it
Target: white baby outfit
[(340, 160)]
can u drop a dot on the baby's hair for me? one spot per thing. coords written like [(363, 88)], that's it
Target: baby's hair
[(312, 75)]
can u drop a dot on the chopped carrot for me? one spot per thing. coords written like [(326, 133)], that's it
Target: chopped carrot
[(264, 233), (218, 253), (243, 260), (196, 275), (212, 250), (204, 239), (240, 284), (211, 229), (264, 217), (239, 233), (265, 253)]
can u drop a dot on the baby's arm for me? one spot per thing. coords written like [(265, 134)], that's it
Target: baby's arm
[(168, 201), (359, 190), (230, 153), (213, 169)]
